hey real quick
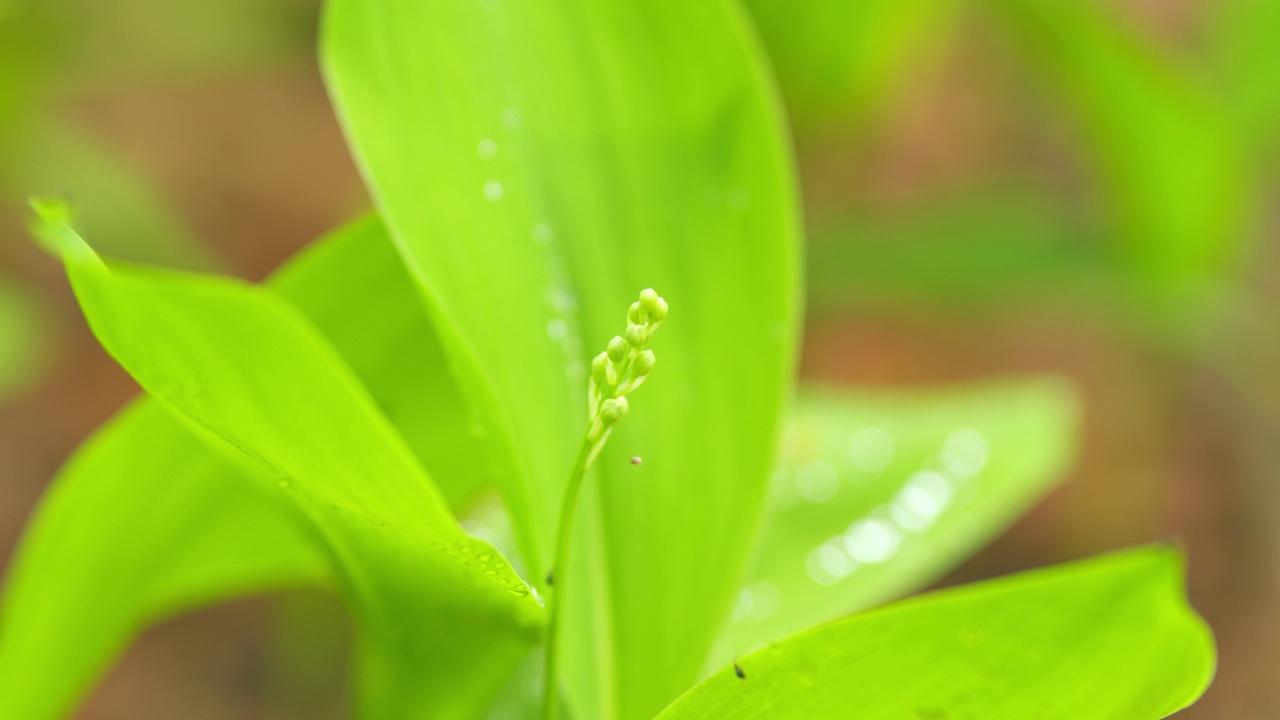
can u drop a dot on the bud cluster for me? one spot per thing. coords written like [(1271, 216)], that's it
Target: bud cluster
[(624, 365)]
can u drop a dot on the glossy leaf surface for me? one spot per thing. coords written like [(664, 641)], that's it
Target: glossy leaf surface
[(881, 492), (145, 521), (246, 369), (539, 164), (1110, 637)]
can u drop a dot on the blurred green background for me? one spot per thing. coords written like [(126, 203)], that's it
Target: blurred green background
[(990, 187)]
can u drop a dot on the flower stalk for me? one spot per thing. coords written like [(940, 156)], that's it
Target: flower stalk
[(623, 366)]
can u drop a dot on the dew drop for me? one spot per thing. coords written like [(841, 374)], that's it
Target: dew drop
[(557, 329), (965, 452), (818, 481), (542, 233), (872, 541), (487, 149), (493, 191), (828, 564), (871, 450)]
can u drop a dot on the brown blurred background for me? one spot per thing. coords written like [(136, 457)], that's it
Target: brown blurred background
[(960, 227)]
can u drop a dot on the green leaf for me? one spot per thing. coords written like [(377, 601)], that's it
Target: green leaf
[(246, 369), (1111, 637), (134, 565), (145, 521), (538, 165), (881, 492), (354, 287)]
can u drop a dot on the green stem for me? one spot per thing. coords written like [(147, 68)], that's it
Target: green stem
[(555, 589)]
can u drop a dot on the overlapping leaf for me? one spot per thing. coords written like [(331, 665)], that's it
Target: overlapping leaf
[(1111, 637), (245, 369), (881, 492), (539, 163)]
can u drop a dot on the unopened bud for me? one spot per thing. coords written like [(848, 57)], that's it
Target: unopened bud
[(648, 300), (613, 410), (618, 349), (600, 370), (659, 311), (644, 362), (635, 336), (636, 314)]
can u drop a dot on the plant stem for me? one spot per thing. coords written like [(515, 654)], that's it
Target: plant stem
[(556, 577)]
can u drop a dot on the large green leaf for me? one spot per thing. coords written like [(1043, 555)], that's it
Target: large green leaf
[(246, 369), (880, 492), (538, 164), (1111, 637), (154, 520), (145, 521), (354, 287)]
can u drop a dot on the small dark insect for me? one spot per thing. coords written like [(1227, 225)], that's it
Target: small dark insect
[(551, 577), (737, 670), (636, 460)]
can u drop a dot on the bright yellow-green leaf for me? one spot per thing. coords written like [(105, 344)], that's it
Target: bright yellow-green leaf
[(1110, 638), (246, 369), (145, 521), (539, 164), (881, 492), (148, 520)]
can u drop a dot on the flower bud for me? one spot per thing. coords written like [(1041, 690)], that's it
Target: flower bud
[(659, 311), (636, 336), (648, 300), (636, 314), (644, 362), (613, 410), (618, 349), (600, 370)]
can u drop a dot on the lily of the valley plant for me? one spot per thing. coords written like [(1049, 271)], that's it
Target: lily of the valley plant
[(532, 165)]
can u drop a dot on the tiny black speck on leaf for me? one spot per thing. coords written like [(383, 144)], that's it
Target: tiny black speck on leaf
[(551, 577), (737, 670)]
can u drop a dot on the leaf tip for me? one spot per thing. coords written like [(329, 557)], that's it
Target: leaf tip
[(50, 225)]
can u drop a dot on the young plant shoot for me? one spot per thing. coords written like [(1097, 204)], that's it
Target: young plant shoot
[(618, 371)]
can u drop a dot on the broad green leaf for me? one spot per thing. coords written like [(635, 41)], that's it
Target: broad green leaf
[(1161, 143), (538, 164), (246, 369), (1111, 637), (151, 520), (354, 287), (881, 492), (834, 58), (145, 521)]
